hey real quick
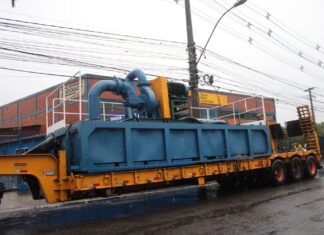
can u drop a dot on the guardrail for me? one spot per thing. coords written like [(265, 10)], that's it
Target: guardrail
[(65, 105), (237, 112)]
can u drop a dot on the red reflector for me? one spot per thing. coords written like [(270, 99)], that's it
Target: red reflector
[(96, 184), (23, 171)]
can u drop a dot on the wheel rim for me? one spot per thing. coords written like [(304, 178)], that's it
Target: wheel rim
[(312, 168), (279, 174), (296, 170)]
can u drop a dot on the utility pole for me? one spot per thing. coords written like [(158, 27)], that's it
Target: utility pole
[(193, 71), (311, 101)]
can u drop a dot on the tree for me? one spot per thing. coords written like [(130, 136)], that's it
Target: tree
[(320, 129)]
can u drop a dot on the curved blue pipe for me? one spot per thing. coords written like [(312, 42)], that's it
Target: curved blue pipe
[(136, 73), (146, 102), (95, 92), (147, 94)]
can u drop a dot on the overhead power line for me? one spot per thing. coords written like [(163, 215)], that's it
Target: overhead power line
[(111, 52), (35, 72)]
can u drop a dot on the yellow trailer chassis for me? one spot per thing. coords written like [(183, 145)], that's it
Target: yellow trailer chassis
[(48, 175), (57, 186)]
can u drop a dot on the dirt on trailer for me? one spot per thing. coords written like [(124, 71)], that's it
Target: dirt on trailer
[(296, 208)]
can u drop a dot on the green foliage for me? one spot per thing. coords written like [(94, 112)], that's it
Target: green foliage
[(286, 144), (320, 129)]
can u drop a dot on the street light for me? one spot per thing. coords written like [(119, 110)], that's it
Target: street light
[(238, 3)]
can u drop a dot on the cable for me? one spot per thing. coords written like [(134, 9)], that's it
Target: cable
[(34, 72)]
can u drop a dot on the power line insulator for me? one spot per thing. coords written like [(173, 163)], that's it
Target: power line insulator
[(208, 79), (301, 68)]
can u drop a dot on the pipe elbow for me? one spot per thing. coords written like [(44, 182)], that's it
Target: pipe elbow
[(94, 96), (137, 73)]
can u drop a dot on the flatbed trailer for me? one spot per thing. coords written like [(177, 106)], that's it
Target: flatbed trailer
[(52, 175), (48, 174)]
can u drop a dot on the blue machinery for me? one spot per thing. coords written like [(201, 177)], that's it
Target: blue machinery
[(144, 141), (145, 104)]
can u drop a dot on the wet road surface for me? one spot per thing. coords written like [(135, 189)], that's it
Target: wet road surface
[(291, 209)]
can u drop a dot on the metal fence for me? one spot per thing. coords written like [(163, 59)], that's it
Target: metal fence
[(245, 111)]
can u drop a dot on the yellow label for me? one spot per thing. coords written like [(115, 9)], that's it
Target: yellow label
[(215, 99)]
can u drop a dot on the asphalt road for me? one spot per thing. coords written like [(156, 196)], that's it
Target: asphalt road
[(296, 208)]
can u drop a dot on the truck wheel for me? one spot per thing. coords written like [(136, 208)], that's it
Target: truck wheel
[(310, 167), (296, 169), (278, 172)]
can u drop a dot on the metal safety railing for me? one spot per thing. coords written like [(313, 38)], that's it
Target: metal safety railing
[(250, 110), (110, 110), (66, 104)]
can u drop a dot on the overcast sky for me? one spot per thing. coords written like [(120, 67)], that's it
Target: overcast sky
[(296, 26)]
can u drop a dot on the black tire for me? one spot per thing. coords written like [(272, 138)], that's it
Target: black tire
[(278, 172), (310, 167), (296, 169)]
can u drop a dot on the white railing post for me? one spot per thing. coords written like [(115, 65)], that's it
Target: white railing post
[(245, 104), (46, 114), (53, 111), (104, 111), (264, 111), (64, 103), (233, 105)]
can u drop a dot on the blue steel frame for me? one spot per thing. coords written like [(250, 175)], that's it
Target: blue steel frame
[(98, 146)]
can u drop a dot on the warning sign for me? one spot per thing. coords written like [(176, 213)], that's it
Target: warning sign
[(214, 99)]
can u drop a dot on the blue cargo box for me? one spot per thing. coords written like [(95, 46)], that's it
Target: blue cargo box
[(98, 146)]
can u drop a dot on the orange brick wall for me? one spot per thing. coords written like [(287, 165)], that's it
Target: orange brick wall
[(32, 109)]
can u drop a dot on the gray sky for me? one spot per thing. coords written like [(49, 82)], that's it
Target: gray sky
[(296, 26)]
